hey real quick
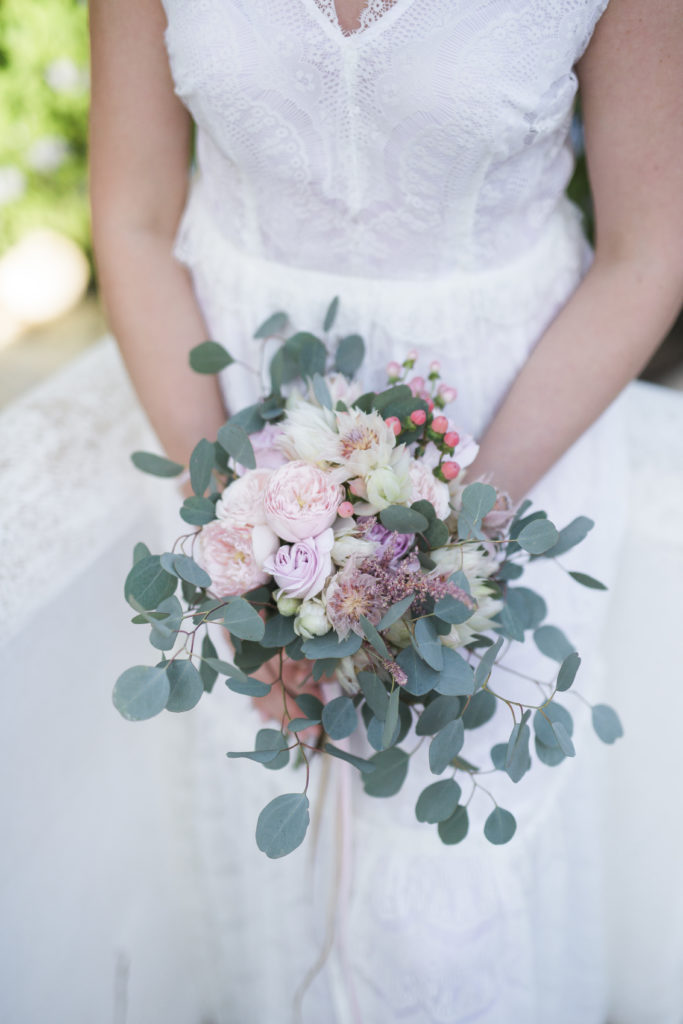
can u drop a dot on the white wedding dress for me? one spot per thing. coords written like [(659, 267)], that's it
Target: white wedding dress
[(415, 168)]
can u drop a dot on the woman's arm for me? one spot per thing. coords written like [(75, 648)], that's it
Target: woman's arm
[(631, 80), (140, 136)]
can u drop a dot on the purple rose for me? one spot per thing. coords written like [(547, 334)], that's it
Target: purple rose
[(391, 545), (301, 569)]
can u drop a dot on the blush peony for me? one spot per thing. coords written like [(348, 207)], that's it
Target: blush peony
[(242, 501), (300, 501), (226, 551), (426, 487)]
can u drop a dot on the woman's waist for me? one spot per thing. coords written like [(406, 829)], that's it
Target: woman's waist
[(559, 249)]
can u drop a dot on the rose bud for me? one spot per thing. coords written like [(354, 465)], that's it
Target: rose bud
[(446, 393), (393, 372), (409, 360), (418, 417), (439, 424), (451, 439), (416, 384), (435, 367)]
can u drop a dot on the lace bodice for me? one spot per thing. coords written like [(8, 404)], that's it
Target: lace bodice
[(432, 138)]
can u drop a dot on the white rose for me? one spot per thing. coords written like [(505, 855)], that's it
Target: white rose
[(347, 546), (426, 487)]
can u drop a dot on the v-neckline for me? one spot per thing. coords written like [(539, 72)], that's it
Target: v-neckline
[(359, 35)]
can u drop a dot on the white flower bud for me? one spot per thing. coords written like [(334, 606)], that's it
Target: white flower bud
[(287, 605), (311, 619)]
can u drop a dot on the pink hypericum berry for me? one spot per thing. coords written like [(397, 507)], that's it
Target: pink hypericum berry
[(435, 366), (393, 371), (418, 417), (450, 470), (452, 438), (410, 357), (395, 424), (439, 424), (345, 510), (416, 384)]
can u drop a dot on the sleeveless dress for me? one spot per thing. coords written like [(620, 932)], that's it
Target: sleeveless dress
[(415, 168)]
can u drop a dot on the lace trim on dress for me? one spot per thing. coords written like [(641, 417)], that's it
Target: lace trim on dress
[(371, 13)]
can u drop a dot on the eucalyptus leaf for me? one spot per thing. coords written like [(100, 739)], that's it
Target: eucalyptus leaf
[(477, 501), (538, 537), (321, 391), (606, 723), (311, 706), (436, 534), (197, 511), (552, 756), (201, 466), (500, 826), (148, 584), (339, 718), (235, 441), (208, 673), (331, 314), (156, 465), (279, 631), (421, 678), (457, 676), (517, 757), (282, 824), (528, 607), (563, 739), (375, 734), (248, 687), (568, 670), (375, 693), (141, 692), (453, 611), (391, 720), (587, 581), (224, 667), (140, 551), (275, 324), (570, 536), (481, 709), (552, 642), (243, 621), (209, 357), (455, 828), (273, 739), (437, 714), (186, 568), (544, 720), (395, 612), (485, 666), (425, 508), (364, 766), (349, 355), (499, 756), (428, 643), (330, 646), (164, 633), (373, 637), (249, 418), (391, 768), (299, 724), (438, 801), (445, 746), (403, 520), (186, 685)]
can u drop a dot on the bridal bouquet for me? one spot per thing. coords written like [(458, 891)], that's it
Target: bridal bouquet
[(335, 528)]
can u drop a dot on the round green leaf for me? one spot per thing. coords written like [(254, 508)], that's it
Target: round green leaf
[(568, 670), (499, 827), (141, 692), (197, 511), (273, 739), (457, 677), (282, 825), (571, 535), (481, 709), (552, 756), (403, 520), (544, 728), (186, 568), (606, 723), (164, 633), (391, 768), (339, 718), (538, 537), (148, 584), (349, 355), (454, 829), (247, 687), (235, 441), (437, 714), (527, 606), (552, 642), (243, 621), (445, 746), (209, 357), (438, 801), (156, 465), (275, 324), (186, 685), (421, 678)]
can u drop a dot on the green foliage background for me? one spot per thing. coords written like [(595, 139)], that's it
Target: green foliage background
[(34, 34)]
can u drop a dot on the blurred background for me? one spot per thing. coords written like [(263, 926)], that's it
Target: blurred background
[(49, 310)]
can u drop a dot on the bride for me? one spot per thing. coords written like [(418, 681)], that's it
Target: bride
[(411, 157)]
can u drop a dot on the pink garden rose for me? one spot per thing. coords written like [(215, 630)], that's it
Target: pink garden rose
[(426, 487), (233, 555), (300, 501), (242, 501), (300, 569)]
